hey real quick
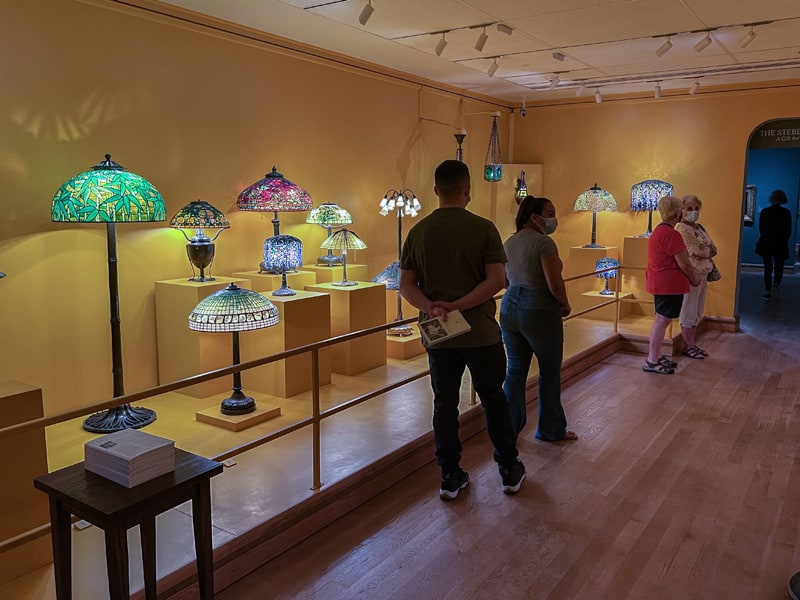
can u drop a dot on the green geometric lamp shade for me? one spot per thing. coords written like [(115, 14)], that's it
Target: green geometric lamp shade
[(344, 240), (200, 215), (107, 193), (234, 309), (329, 215)]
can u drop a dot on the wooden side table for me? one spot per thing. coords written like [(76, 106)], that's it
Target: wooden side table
[(115, 508)]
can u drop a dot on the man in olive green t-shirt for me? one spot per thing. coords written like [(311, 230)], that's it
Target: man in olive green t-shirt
[(454, 260)]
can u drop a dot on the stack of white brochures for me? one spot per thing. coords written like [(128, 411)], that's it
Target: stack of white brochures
[(130, 457), (437, 330)]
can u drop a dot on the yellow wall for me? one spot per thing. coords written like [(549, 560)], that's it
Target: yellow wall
[(200, 115), (697, 143)]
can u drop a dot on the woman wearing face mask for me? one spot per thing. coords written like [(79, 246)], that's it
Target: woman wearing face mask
[(530, 318), (701, 250)]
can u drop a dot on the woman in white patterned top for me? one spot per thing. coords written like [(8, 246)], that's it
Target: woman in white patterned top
[(701, 251)]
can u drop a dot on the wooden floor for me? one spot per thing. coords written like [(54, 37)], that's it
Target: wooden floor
[(684, 486)]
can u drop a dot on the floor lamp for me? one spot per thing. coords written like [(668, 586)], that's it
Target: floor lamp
[(231, 310), (109, 194)]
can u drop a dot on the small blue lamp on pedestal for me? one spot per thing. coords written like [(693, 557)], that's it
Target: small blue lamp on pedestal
[(606, 263), (283, 253)]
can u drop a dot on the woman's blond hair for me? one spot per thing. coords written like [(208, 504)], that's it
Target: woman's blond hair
[(691, 199), (669, 207)]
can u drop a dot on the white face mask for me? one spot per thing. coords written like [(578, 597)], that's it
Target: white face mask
[(692, 216)]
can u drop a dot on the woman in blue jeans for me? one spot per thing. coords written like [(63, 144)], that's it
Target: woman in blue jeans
[(530, 318)]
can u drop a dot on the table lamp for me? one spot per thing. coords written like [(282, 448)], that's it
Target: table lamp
[(283, 253), (274, 194), (493, 165), (107, 193), (200, 215), (344, 240), (606, 263), (329, 215), (231, 310), (645, 196), (406, 204), (596, 200)]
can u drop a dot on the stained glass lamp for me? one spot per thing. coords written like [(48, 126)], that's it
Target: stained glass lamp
[(274, 193), (521, 189), (645, 196), (200, 215), (329, 215), (493, 165), (606, 263), (107, 193), (344, 240), (405, 203), (232, 310), (595, 199), (283, 253)]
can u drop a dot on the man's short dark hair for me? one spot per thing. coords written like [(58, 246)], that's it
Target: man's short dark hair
[(451, 177)]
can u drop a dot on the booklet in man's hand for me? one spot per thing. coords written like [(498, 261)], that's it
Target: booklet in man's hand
[(436, 330)]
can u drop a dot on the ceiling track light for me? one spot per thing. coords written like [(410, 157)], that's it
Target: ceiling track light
[(503, 28), (703, 44), (581, 89), (482, 39), (598, 97), (366, 13), (493, 68), (554, 81), (657, 93), (558, 56), (749, 37), (664, 48), (441, 45), (695, 87)]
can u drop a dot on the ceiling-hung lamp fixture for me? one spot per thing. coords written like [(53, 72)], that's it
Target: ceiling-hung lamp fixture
[(581, 89), (558, 56), (492, 68), (200, 215), (460, 135), (108, 193), (366, 13), (554, 81), (664, 48), (703, 44), (657, 92), (521, 188), (441, 45), (503, 28), (598, 97), (493, 164), (748, 38), (596, 200), (481, 41), (695, 87)]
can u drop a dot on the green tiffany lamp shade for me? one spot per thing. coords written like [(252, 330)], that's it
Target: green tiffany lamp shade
[(200, 215), (596, 200), (329, 215), (344, 240), (107, 193)]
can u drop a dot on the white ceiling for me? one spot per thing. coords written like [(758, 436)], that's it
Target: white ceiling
[(608, 45)]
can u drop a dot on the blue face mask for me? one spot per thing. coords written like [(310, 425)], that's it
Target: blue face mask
[(550, 225)]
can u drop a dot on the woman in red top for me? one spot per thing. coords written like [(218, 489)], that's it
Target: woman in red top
[(669, 274)]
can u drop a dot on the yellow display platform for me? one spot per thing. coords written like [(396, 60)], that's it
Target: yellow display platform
[(391, 306), (580, 261), (354, 308), (213, 416), (305, 318), (22, 506), (181, 351), (606, 313), (355, 272), (404, 347), (267, 282)]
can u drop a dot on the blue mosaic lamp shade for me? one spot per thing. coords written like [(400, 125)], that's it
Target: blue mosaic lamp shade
[(646, 194), (595, 199), (107, 193), (606, 263), (390, 276), (283, 253)]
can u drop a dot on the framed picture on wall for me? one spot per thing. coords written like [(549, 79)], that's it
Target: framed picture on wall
[(749, 205)]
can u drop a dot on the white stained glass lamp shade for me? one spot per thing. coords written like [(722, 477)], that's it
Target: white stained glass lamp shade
[(344, 240), (606, 263), (595, 199), (645, 196), (232, 310), (329, 215), (282, 253)]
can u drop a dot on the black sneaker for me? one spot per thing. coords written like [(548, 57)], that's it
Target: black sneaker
[(794, 587), (513, 477), (452, 483)]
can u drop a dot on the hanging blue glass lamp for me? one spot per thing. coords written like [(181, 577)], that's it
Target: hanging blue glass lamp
[(493, 165)]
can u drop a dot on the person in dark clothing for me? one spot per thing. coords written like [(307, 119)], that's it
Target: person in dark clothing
[(775, 228)]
